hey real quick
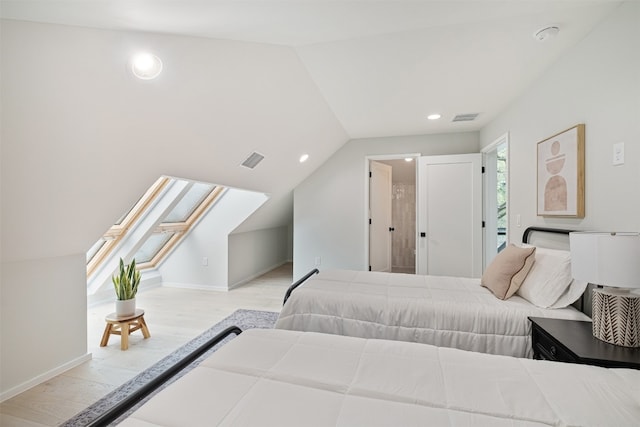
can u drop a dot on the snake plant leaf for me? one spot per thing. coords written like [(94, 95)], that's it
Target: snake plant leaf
[(126, 280)]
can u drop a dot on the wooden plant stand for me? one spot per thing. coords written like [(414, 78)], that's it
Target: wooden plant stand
[(123, 326)]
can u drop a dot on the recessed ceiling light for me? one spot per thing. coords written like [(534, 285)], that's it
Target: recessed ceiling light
[(433, 116), (146, 66), (408, 159), (304, 158)]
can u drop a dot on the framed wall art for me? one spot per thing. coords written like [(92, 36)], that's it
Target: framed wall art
[(561, 174)]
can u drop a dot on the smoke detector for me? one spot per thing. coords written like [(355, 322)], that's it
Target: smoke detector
[(546, 33)]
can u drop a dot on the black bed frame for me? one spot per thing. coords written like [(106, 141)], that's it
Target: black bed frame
[(529, 230), (298, 283), (130, 401)]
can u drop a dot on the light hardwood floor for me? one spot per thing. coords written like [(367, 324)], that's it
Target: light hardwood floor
[(174, 317)]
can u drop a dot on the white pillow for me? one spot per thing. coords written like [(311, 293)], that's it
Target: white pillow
[(549, 278), (571, 295)]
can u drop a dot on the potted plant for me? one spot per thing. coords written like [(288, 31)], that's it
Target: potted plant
[(126, 283)]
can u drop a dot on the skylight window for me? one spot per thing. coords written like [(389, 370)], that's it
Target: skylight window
[(107, 243), (152, 246), (189, 202), (160, 218), (176, 223), (91, 253)]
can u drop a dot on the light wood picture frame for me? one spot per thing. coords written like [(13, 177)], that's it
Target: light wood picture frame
[(560, 162)]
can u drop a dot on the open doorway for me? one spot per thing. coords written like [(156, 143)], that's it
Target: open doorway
[(496, 197), (392, 213)]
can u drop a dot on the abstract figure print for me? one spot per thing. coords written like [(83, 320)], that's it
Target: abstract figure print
[(555, 191)]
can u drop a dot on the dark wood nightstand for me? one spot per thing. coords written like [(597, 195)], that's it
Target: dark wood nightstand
[(573, 341)]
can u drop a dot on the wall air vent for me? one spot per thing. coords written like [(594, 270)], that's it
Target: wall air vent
[(253, 160), (465, 117)]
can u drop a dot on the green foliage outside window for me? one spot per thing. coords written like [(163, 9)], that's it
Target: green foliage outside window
[(501, 167)]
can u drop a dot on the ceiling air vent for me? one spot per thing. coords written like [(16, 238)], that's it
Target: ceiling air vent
[(465, 117), (253, 160)]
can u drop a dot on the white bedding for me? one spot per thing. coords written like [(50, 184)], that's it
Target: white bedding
[(284, 378), (444, 311)]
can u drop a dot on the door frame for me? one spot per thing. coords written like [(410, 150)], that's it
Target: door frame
[(365, 221), (491, 225)]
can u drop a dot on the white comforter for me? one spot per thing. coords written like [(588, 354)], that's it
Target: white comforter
[(444, 311), (284, 378)]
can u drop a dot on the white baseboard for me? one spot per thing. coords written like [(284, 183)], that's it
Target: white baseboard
[(222, 288), (256, 275), (43, 377), (217, 288)]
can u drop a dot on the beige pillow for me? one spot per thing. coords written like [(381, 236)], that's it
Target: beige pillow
[(508, 270)]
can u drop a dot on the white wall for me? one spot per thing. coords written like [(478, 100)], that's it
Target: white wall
[(184, 267), (596, 83), (82, 139), (254, 253), (44, 320), (329, 211)]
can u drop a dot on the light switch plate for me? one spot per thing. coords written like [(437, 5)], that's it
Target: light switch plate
[(618, 153)]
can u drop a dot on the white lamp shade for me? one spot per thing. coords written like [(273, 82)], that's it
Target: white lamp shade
[(608, 259)]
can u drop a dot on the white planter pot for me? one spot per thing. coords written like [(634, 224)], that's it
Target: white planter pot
[(125, 307)]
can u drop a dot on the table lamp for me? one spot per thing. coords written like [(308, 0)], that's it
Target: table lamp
[(612, 261)]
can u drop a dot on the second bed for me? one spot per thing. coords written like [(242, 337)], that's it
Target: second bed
[(443, 311)]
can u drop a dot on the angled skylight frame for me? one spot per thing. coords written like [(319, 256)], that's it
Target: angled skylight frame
[(144, 233), (117, 231), (178, 229)]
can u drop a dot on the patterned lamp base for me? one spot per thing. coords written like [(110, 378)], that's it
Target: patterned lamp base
[(616, 316)]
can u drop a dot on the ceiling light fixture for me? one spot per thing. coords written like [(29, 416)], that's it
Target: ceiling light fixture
[(408, 159), (304, 158), (546, 33), (433, 116), (146, 66)]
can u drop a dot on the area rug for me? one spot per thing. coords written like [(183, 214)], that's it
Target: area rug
[(245, 319)]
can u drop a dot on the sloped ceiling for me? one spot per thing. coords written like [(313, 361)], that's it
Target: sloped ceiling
[(382, 66), (82, 138), (278, 77)]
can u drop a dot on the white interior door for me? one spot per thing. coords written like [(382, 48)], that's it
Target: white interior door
[(380, 187), (450, 215)]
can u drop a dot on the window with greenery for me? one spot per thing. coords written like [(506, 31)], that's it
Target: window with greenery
[(501, 177)]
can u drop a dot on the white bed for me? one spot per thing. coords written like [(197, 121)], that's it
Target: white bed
[(444, 311), (274, 377)]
